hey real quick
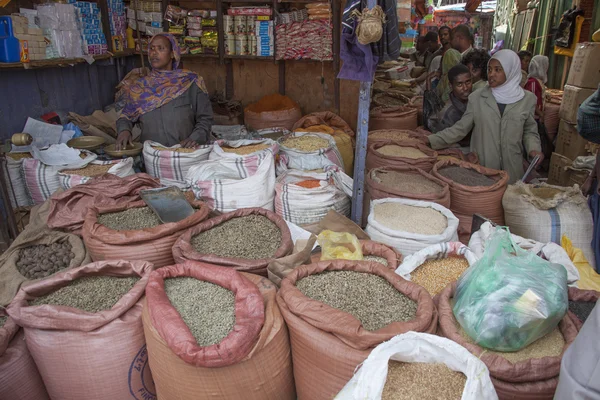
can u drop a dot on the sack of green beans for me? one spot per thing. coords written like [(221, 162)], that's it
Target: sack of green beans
[(246, 240), (77, 176), (338, 311), (83, 328), (213, 332)]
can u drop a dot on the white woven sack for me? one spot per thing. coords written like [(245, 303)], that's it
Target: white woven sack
[(308, 160), (435, 252), (14, 174), (120, 168), (571, 217), (548, 251), (413, 347), (42, 180), (229, 184), (217, 151), (309, 206), (171, 167), (408, 243)]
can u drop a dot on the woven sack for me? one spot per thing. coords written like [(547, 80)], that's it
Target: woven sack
[(329, 344), (291, 158), (184, 251), (276, 118), (446, 154), (152, 244), (417, 102), (19, 196), (120, 168), (218, 152), (82, 355), (375, 159), (253, 363), (576, 294), (402, 135), (400, 117), (538, 390)]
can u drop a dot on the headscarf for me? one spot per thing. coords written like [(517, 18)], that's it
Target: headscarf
[(510, 91), (538, 68), (143, 93), (451, 58)]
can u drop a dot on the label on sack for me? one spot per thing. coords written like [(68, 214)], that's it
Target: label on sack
[(141, 384)]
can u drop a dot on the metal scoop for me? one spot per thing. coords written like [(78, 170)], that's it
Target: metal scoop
[(531, 167), (168, 203)]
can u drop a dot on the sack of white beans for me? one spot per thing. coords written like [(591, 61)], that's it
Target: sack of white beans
[(73, 177)]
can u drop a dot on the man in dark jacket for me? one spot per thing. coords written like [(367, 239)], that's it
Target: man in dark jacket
[(460, 81)]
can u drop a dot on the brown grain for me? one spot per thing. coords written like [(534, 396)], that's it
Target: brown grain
[(394, 150), (422, 381), (91, 170), (406, 182), (435, 275), (243, 150)]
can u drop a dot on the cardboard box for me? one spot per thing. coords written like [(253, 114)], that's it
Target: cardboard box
[(573, 96), (558, 173), (585, 67), (577, 176), (569, 143)]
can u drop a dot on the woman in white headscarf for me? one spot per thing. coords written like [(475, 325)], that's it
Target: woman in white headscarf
[(536, 82), (501, 116)]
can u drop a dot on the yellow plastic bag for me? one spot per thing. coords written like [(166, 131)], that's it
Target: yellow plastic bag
[(588, 278), (339, 246)]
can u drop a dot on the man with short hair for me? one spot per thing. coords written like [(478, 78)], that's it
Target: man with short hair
[(462, 39), (444, 37)]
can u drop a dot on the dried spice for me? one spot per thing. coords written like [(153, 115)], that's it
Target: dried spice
[(130, 219), (405, 218), (309, 183), (422, 381), (466, 176), (435, 275), (40, 261)]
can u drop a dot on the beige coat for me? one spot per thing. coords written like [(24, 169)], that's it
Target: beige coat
[(498, 141)]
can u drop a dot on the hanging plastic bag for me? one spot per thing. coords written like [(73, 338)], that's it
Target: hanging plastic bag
[(339, 246), (510, 297)]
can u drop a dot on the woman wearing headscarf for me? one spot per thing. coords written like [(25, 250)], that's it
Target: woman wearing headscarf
[(171, 105), (536, 82), (451, 58), (501, 118)]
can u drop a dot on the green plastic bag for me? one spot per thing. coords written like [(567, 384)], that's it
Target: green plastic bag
[(510, 297)]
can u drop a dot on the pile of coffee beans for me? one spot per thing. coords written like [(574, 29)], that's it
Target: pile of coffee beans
[(40, 261), (130, 219)]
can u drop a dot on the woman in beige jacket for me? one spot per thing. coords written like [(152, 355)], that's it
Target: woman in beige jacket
[(501, 116)]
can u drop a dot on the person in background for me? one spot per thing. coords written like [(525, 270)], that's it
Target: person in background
[(525, 57), (462, 39), (460, 81), (418, 57), (536, 82), (477, 61), (444, 37), (171, 105), (451, 58), (431, 41), (501, 118)]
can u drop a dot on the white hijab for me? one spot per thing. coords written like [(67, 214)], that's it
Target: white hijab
[(510, 91), (538, 68)]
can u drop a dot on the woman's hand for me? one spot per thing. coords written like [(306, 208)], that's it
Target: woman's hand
[(124, 139), (533, 154), (188, 143)]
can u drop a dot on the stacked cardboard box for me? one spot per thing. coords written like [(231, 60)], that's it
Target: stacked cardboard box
[(94, 41), (31, 36)]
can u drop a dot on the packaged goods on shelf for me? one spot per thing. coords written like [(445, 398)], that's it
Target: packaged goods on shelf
[(24, 30)]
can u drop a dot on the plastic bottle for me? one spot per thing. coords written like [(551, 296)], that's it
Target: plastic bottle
[(10, 48), (130, 41)]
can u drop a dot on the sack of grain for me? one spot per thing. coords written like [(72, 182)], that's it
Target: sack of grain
[(308, 151), (372, 251), (417, 102), (73, 177), (246, 240), (134, 231), (417, 365), (545, 213), (581, 304), (410, 225), (328, 344), (171, 164), (246, 148), (15, 175), (272, 111), (42, 180), (403, 182), (29, 258), (306, 197), (253, 362), (401, 117), (400, 154), (402, 135), (86, 335), (473, 190), (446, 154), (228, 184), (537, 364), (19, 377)]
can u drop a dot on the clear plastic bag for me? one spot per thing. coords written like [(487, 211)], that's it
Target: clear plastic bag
[(339, 246), (510, 297)]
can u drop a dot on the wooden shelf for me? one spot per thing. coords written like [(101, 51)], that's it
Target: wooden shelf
[(266, 3), (192, 56), (236, 57), (63, 62)]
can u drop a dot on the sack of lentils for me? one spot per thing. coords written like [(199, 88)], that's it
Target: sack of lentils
[(83, 328), (400, 154), (243, 148), (410, 225), (473, 190), (403, 182), (19, 377), (37, 254), (338, 311), (73, 177), (308, 151), (132, 230), (581, 304), (246, 240), (535, 366), (373, 251), (213, 332), (402, 135)]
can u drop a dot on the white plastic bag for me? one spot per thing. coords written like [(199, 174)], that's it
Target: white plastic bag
[(120, 168), (217, 151), (369, 381), (290, 158), (408, 243)]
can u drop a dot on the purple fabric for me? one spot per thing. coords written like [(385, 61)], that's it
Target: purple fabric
[(359, 61)]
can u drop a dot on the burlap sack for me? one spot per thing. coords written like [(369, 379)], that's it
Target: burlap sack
[(184, 251), (375, 159), (323, 118), (10, 278), (272, 111), (152, 244), (382, 135), (402, 117), (19, 377), (532, 370), (328, 344), (539, 390), (265, 373), (576, 294), (81, 355)]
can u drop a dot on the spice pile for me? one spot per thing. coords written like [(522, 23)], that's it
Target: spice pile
[(207, 309), (368, 297), (406, 182), (405, 218), (244, 150), (582, 309), (394, 150), (130, 219), (306, 143), (91, 170), (423, 381), (466, 176), (90, 293), (251, 237), (177, 150), (309, 183), (42, 260), (380, 260), (435, 275)]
